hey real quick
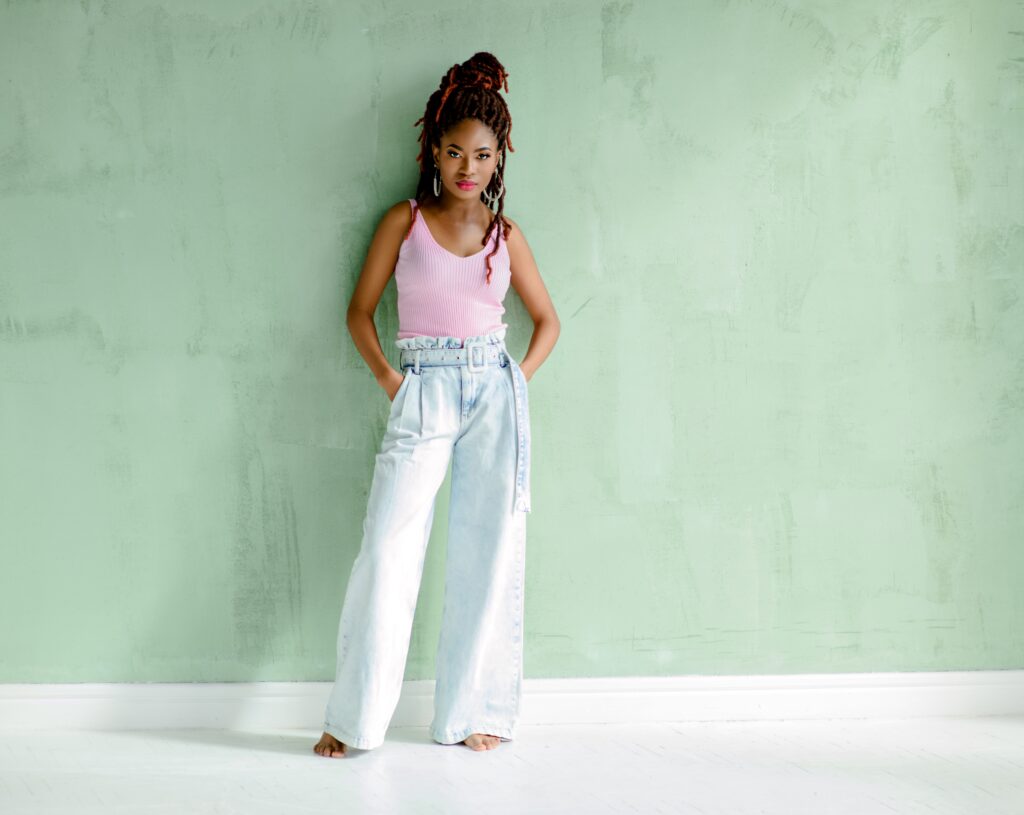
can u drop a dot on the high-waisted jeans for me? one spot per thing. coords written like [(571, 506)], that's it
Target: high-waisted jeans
[(474, 415)]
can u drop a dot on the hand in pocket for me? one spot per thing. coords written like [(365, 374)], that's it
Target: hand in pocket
[(393, 385)]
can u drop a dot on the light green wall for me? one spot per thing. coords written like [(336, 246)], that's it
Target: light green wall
[(782, 431)]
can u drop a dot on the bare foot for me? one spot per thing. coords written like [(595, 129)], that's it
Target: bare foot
[(330, 747), (482, 741)]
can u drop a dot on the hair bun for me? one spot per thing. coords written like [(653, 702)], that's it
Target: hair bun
[(482, 70)]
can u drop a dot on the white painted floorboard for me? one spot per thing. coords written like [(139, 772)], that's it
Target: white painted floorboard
[(962, 765)]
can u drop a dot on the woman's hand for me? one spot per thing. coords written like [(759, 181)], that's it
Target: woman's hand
[(391, 383)]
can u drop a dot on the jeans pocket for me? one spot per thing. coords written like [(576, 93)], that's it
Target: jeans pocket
[(398, 394), (521, 377)]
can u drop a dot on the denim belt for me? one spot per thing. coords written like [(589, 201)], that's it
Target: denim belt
[(476, 356)]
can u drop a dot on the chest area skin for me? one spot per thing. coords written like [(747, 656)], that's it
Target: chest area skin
[(462, 239)]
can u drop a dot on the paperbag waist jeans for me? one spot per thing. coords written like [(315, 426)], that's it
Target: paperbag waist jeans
[(464, 404)]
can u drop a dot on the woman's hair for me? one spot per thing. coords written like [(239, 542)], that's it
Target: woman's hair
[(468, 91)]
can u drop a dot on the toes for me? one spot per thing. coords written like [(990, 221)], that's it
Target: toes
[(329, 750), (482, 741)]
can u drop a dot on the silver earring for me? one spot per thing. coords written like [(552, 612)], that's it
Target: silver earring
[(490, 199), (437, 181)]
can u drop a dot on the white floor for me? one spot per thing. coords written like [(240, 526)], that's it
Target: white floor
[(968, 766)]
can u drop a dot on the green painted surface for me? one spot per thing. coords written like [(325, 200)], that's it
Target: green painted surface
[(783, 429)]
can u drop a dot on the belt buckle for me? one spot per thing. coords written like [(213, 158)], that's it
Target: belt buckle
[(470, 346)]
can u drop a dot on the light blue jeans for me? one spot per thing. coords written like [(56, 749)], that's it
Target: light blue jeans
[(474, 415)]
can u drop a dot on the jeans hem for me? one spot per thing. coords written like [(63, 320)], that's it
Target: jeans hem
[(359, 742), (457, 736)]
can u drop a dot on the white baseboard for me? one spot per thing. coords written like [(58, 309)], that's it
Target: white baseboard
[(300, 705)]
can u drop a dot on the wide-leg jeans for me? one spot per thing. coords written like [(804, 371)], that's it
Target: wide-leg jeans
[(473, 414)]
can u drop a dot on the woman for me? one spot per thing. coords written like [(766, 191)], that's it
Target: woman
[(460, 398)]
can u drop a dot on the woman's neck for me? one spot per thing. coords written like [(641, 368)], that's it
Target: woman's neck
[(458, 211)]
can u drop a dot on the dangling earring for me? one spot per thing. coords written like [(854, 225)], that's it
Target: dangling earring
[(490, 199), (437, 181)]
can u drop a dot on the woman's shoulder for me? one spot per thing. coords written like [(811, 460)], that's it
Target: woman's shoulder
[(403, 206), (515, 234), (399, 214), (395, 224)]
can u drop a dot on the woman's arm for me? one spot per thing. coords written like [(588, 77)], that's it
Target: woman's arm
[(377, 270), (527, 282)]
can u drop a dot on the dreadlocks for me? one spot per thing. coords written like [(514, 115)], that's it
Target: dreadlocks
[(469, 91)]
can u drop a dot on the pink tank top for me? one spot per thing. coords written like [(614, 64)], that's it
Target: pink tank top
[(441, 294)]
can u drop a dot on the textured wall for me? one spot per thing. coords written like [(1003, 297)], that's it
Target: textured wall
[(783, 429)]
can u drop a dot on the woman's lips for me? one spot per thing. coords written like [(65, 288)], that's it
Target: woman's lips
[(465, 185)]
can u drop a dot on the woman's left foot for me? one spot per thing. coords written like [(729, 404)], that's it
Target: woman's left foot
[(482, 741)]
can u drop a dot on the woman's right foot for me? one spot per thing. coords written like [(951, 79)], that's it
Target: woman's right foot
[(330, 747), (482, 741)]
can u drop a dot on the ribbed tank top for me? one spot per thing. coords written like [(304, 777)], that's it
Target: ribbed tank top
[(441, 294)]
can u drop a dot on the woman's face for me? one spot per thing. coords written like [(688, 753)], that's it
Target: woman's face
[(469, 151)]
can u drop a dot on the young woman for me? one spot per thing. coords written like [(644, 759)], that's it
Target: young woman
[(460, 398)]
